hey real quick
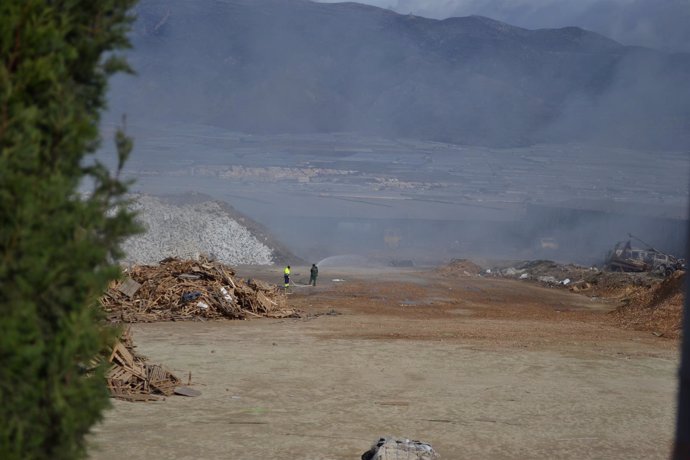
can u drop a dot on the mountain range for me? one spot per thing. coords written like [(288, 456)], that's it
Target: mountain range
[(297, 66)]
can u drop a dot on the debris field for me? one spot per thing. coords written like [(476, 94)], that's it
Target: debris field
[(644, 301), (178, 290)]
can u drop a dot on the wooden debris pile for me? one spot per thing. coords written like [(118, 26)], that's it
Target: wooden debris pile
[(177, 290), (131, 378), (658, 309)]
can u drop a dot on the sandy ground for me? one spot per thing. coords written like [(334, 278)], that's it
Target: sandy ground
[(480, 368)]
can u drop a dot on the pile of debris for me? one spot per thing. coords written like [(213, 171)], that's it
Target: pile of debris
[(647, 300), (176, 290), (131, 378), (460, 267), (658, 309), (544, 271), (389, 448), (616, 285), (577, 278)]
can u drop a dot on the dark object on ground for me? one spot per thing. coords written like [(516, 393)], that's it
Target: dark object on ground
[(186, 391), (189, 296), (401, 263), (402, 449)]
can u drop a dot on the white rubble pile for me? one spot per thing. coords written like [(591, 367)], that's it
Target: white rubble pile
[(389, 448), (190, 230), (549, 273)]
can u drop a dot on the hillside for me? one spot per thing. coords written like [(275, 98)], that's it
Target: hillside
[(294, 66)]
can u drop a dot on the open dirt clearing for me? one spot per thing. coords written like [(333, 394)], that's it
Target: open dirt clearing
[(480, 368)]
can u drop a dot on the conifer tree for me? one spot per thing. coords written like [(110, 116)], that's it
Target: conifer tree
[(62, 218)]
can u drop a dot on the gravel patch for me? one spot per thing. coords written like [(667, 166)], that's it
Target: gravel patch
[(190, 230)]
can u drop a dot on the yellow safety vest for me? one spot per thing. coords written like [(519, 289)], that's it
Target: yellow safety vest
[(287, 271)]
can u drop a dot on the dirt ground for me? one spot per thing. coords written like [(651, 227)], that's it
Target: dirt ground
[(481, 368)]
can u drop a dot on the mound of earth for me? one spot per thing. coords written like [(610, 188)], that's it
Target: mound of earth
[(658, 309), (192, 225), (460, 267), (619, 286)]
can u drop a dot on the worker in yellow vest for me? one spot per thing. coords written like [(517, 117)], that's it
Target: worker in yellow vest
[(286, 275)]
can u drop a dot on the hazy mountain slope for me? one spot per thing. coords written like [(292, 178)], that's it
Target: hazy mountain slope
[(298, 66)]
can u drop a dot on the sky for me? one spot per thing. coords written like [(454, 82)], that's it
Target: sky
[(660, 24)]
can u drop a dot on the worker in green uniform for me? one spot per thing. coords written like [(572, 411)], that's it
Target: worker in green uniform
[(314, 272)]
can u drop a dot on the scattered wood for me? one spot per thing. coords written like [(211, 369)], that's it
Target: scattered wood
[(178, 290), (131, 378)]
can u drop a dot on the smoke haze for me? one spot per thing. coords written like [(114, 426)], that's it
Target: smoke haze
[(270, 66), (347, 128)]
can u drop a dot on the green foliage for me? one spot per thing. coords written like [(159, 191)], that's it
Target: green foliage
[(58, 245)]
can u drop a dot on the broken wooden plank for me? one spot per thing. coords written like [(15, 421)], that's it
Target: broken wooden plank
[(121, 355), (129, 287)]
